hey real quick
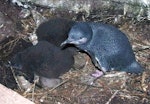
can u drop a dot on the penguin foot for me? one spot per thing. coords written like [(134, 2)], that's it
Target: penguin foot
[(97, 73)]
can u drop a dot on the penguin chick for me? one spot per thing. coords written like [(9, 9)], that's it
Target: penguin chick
[(44, 59), (108, 47), (54, 30)]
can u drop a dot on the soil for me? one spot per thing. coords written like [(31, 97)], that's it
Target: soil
[(114, 88)]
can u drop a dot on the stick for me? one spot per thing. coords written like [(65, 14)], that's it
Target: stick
[(110, 99)]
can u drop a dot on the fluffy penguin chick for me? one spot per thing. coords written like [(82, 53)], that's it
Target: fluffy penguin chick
[(44, 59), (108, 47), (54, 30)]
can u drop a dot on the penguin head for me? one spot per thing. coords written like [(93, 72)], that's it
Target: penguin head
[(79, 34)]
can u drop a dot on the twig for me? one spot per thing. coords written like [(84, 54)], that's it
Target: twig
[(33, 89), (10, 45), (82, 91), (15, 78), (143, 85), (110, 99), (59, 85)]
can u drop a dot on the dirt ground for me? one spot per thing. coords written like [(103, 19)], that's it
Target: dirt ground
[(114, 88)]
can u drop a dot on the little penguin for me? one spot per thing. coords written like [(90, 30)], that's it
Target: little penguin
[(45, 60), (107, 46)]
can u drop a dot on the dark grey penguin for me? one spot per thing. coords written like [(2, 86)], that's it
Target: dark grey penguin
[(45, 60), (108, 47)]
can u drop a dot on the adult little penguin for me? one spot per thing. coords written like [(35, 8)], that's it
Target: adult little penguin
[(108, 47), (45, 60)]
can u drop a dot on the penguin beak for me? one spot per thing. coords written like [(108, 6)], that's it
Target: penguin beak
[(64, 43), (69, 41)]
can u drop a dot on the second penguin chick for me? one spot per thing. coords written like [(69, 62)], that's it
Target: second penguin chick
[(44, 59)]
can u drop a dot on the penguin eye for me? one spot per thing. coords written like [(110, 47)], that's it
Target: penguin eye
[(80, 37)]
